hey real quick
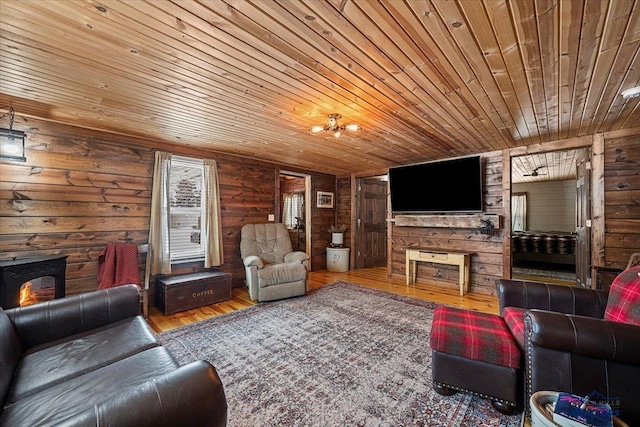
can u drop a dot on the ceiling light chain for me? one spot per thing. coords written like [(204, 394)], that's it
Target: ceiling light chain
[(11, 113), (333, 125)]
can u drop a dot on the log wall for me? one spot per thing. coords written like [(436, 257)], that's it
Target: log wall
[(486, 262), (81, 189), (622, 199), (322, 219), (343, 211)]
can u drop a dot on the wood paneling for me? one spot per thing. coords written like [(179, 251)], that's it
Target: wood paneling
[(80, 189), (621, 199), (487, 260), (549, 166), (53, 210), (343, 208), (426, 79), (322, 219), (446, 220)]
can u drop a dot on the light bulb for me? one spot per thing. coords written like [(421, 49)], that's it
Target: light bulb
[(337, 134), (10, 148), (316, 129), (353, 127), (631, 93)]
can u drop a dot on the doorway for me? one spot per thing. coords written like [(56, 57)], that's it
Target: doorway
[(294, 208), (549, 210), (371, 221)]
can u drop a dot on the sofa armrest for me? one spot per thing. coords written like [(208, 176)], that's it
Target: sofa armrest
[(557, 298), (38, 324), (253, 261), (585, 336), (296, 257), (192, 395)]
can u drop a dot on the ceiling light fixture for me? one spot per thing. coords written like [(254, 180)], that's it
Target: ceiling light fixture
[(631, 93), (11, 141), (334, 126)]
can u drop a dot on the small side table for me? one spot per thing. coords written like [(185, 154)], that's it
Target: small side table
[(439, 256)]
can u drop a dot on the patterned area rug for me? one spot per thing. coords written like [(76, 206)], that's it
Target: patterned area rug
[(344, 355)]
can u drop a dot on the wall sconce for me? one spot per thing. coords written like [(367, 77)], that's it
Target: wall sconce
[(11, 141), (334, 126)]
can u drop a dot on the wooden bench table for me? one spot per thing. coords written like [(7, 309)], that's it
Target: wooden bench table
[(439, 256), (186, 291)]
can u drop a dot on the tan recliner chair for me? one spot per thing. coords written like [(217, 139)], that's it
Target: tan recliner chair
[(273, 269)]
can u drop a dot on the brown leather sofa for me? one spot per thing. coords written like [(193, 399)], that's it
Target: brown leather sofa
[(91, 359), (568, 347)]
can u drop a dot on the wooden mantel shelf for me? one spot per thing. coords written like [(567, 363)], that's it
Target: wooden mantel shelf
[(448, 221)]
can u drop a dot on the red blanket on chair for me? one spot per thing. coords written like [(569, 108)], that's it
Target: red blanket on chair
[(118, 265)]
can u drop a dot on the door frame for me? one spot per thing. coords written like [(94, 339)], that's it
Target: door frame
[(307, 206), (583, 203), (596, 144)]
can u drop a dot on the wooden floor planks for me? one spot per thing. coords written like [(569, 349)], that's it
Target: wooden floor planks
[(375, 278)]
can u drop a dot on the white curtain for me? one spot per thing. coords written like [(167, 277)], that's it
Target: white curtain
[(158, 256), (293, 203), (211, 220), (519, 211)]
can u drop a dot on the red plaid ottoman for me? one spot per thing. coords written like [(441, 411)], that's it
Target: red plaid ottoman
[(475, 352)]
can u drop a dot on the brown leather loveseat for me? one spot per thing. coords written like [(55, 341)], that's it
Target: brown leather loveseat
[(569, 347), (91, 359)]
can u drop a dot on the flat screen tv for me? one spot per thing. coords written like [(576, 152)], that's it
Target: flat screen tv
[(437, 187)]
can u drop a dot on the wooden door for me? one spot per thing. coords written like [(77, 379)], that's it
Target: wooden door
[(371, 214), (583, 219)]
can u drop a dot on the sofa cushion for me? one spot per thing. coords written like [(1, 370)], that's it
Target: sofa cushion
[(192, 395), (79, 354), (9, 354), (514, 318), (40, 324), (474, 335), (281, 273), (86, 391), (623, 304)]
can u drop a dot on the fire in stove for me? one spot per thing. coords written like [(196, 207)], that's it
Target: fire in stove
[(37, 290)]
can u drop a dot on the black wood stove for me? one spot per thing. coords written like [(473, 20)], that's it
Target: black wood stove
[(37, 278)]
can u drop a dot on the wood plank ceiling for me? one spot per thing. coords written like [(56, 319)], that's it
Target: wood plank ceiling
[(549, 166), (424, 79)]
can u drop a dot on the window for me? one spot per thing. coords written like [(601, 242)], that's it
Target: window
[(185, 220), (186, 209), (293, 212)]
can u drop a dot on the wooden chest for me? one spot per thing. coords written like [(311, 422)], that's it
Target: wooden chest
[(186, 291)]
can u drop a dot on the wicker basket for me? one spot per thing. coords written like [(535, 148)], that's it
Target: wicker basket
[(542, 411)]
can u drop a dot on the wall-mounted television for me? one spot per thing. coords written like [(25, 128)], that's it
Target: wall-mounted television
[(453, 185)]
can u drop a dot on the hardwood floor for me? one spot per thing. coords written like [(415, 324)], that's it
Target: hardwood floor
[(375, 278), (371, 277)]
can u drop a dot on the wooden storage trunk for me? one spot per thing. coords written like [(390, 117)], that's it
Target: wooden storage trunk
[(186, 291)]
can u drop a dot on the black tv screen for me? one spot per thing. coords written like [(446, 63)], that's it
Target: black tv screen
[(437, 187)]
